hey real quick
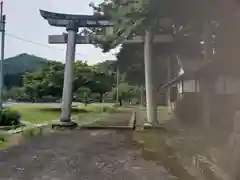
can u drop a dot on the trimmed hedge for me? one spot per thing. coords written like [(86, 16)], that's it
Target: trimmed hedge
[(9, 117)]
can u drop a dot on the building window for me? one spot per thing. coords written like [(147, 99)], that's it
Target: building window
[(191, 86)]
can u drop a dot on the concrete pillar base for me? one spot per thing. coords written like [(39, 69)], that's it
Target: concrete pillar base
[(148, 126), (65, 125)]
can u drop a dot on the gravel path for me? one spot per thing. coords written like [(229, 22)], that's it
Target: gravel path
[(79, 155)]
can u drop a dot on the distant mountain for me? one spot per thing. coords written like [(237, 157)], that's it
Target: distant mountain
[(16, 66), (23, 63)]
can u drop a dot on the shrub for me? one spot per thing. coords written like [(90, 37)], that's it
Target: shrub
[(23, 98), (9, 117), (2, 138), (48, 99)]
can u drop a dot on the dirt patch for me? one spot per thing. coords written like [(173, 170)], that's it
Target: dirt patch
[(202, 152), (79, 155), (154, 148)]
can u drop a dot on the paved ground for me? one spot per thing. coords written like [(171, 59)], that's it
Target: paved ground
[(79, 155)]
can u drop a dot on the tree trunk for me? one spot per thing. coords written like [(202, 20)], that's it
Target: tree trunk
[(120, 100), (101, 98)]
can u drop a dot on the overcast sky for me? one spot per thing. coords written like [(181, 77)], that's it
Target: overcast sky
[(24, 21)]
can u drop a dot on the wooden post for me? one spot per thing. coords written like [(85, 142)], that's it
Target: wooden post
[(168, 92)]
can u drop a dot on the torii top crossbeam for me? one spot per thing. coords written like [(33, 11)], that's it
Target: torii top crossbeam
[(61, 20)]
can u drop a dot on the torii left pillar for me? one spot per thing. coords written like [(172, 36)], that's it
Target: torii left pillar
[(67, 94), (149, 79)]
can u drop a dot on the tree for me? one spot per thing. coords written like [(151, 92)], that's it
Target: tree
[(15, 93), (83, 75), (132, 18), (32, 85), (13, 80), (83, 94), (52, 77), (44, 82), (127, 16), (125, 92), (101, 83), (48, 82)]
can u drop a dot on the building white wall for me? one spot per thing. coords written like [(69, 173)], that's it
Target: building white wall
[(190, 86), (223, 85), (187, 85), (179, 85), (227, 85)]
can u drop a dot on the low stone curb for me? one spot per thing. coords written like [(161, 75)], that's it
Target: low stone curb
[(84, 125), (91, 126), (99, 127), (20, 130), (133, 121), (154, 127), (8, 128)]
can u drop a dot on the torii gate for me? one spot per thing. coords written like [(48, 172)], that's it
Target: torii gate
[(72, 23)]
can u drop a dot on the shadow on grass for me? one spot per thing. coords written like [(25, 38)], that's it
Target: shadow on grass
[(38, 115), (58, 109), (85, 109), (4, 142)]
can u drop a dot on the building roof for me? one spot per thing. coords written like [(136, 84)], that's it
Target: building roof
[(208, 69), (189, 64), (190, 71)]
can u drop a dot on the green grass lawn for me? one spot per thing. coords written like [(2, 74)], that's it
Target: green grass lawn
[(44, 114), (3, 141), (37, 115), (90, 117)]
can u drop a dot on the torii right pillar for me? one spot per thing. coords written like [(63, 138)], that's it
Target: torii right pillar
[(151, 90)]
